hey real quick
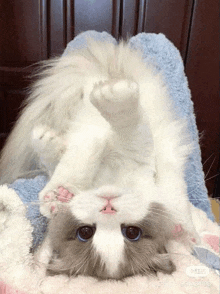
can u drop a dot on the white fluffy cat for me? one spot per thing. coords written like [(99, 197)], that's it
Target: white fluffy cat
[(101, 124)]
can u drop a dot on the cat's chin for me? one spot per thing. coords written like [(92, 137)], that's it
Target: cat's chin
[(157, 264)]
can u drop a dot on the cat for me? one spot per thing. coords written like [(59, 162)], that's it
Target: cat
[(101, 119)]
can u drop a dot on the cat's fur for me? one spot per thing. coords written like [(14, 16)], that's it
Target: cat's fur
[(101, 117)]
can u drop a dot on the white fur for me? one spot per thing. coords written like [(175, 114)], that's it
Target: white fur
[(109, 243)]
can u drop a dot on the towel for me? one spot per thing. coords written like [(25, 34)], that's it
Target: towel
[(28, 190)]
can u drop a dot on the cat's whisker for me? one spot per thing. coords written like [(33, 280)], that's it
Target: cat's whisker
[(141, 269), (199, 184), (133, 262), (210, 167), (166, 216), (205, 178), (70, 267), (132, 267), (82, 264), (212, 177), (179, 254), (208, 158)]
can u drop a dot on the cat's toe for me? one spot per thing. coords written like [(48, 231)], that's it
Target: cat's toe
[(43, 138), (64, 195), (53, 199), (125, 90), (48, 209), (114, 96), (47, 200), (42, 132), (38, 132), (54, 208), (45, 210)]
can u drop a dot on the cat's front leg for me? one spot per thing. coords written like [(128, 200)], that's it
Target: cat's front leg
[(52, 200), (48, 146), (77, 167), (118, 101)]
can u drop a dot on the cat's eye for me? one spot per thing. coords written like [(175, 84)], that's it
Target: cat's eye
[(132, 233), (85, 233)]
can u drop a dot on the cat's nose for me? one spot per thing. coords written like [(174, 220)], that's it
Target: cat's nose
[(108, 207)]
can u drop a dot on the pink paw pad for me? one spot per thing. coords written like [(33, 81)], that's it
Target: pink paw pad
[(64, 195), (48, 196)]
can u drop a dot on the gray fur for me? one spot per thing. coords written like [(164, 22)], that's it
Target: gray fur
[(144, 257)]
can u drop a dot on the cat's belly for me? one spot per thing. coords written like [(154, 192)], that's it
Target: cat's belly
[(122, 173)]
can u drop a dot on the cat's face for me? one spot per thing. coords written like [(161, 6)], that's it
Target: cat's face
[(109, 233)]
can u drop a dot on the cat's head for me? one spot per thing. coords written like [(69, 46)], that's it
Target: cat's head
[(108, 233)]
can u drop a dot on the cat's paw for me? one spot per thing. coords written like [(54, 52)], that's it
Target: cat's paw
[(52, 200), (48, 146), (115, 96), (45, 139)]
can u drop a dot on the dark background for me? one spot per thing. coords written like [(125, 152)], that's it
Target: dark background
[(34, 30)]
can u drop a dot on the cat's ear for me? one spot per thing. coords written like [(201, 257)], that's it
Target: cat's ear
[(181, 228), (185, 235)]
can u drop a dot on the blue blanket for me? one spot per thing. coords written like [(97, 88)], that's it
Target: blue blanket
[(165, 57)]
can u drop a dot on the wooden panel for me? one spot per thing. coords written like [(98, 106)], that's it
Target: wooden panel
[(32, 30), (2, 113), (69, 21), (23, 32), (203, 72), (129, 18), (69, 18), (15, 77), (93, 15), (170, 17), (23, 26), (133, 17), (2, 140), (57, 11), (216, 193), (14, 101), (10, 103), (141, 15), (116, 18)]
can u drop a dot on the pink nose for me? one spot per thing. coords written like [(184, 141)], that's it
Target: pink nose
[(108, 208)]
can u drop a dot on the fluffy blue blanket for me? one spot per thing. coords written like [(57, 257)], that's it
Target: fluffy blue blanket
[(166, 58)]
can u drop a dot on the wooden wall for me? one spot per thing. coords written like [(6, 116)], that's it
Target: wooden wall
[(33, 30)]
